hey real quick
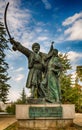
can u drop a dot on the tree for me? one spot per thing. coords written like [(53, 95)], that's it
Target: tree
[(65, 79), (4, 86), (65, 62), (23, 97), (79, 73), (71, 93), (78, 86), (11, 109)]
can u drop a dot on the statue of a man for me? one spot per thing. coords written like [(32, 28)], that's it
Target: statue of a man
[(35, 66)]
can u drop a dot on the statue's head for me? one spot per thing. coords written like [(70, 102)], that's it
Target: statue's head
[(55, 52), (36, 47)]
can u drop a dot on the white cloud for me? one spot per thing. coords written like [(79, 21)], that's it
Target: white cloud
[(74, 57), (74, 30), (19, 69), (47, 4), (19, 77), (72, 19), (38, 29), (18, 19), (59, 39), (13, 95), (3, 5), (42, 38), (12, 55)]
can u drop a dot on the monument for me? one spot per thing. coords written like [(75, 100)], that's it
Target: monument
[(43, 109)]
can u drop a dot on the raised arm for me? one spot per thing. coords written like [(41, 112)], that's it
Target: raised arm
[(19, 47), (51, 48)]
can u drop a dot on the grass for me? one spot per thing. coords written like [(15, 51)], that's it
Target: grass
[(12, 127)]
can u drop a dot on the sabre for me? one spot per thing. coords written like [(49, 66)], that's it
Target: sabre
[(5, 21)]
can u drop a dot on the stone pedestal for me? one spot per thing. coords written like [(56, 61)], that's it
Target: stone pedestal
[(41, 121)]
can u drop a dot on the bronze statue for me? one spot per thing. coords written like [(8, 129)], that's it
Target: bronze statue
[(53, 73), (35, 66), (50, 83), (44, 69), (50, 67)]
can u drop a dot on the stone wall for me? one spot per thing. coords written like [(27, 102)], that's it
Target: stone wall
[(44, 124), (25, 122)]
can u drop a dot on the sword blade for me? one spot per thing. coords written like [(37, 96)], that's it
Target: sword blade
[(5, 20)]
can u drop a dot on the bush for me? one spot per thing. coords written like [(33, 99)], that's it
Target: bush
[(11, 109), (78, 108)]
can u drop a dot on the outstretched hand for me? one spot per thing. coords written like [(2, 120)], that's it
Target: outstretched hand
[(14, 43)]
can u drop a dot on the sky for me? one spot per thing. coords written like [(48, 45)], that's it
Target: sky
[(41, 21)]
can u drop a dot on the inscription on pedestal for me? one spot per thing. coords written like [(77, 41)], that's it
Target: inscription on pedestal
[(35, 112)]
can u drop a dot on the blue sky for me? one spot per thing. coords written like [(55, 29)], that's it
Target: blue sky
[(42, 21)]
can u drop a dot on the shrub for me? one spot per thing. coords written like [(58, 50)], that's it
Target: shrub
[(11, 109)]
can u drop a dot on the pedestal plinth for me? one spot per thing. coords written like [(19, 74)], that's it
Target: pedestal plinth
[(44, 116)]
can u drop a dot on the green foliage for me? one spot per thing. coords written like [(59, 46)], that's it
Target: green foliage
[(78, 98), (79, 72), (66, 88), (4, 87), (11, 109), (79, 88), (22, 99), (70, 93), (65, 62), (65, 79)]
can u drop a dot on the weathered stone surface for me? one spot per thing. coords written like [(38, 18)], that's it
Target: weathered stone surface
[(44, 124), (68, 111), (51, 123)]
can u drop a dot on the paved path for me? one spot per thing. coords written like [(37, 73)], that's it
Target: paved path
[(78, 119), (5, 122)]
